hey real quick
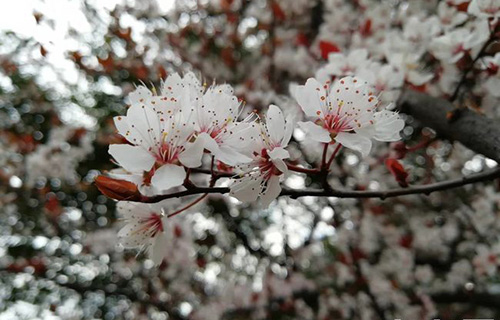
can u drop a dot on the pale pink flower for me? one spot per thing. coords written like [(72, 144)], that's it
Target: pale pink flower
[(159, 138), (261, 177), (145, 226), (485, 8), (346, 113)]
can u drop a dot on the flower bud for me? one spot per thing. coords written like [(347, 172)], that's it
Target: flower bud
[(117, 189)]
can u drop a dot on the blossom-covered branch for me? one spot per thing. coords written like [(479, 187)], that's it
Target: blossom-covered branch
[(381, 194)]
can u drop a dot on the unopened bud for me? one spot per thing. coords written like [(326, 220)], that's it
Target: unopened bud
[(117, 189)]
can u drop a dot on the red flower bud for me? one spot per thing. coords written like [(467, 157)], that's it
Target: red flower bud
[(117, 189)]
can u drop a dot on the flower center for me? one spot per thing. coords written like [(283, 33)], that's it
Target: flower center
[(266, 165), (167, 153), (152, 225)]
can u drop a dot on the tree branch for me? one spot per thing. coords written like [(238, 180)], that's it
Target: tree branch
[(470, 128), (424, 189)]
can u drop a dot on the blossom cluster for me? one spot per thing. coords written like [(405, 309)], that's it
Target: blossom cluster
[(169, 131)]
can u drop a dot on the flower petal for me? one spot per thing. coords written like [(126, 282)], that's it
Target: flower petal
[(315, 132), (168, 176), (246, 189), (144, 125), (279, 153), (308, 96), (272, 191), (281, 165), (275, 124), (288, 130), (191, 156), (231, 157), (355, 142), (157, 250), (132, 158)]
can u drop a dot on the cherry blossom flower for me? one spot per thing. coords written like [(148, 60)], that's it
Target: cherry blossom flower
[(384, 78), (452, 46), (159, 135), (486, 260), (492, 66), (419, 32), (401, 54), (261, 177), (485, 8), (215, 116), (340, 64), (144, 228), (449, 16), (346, 113)]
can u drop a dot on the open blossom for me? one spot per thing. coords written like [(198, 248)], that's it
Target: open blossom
[(346, 113), (261, 177), (170, 131), (485, 8), (144, 228), (452, 46), (215, 116), (340, 64), (492, 66), (159, 138), (449, 16), (384, 78)]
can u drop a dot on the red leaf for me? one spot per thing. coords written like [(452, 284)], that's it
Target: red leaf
[(398, 171), (406, 241), (327, 48), (302, 40), (366, 28), (279, 14)]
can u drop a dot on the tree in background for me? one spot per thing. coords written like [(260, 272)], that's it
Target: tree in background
[(404, 229)]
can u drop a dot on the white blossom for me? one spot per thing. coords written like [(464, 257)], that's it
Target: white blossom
[(262, 176), (346, 113)]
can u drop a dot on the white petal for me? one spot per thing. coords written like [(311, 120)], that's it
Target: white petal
[(308, 97), (126, 208), (246, 190), (144, 125), (121, 174), (355, 142), (157, 250), (388, 124), (315, 132), (272, 191), (419, 78), (132, 158), (231, 157), (140, 93), (279, 153), (168, 176), (191, 157), (275, 123), (209, 143), (358, 58), (281, 165), (288, 130), (130, 237), (123, 128)]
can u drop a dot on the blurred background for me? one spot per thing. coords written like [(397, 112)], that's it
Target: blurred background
[(65, 70)]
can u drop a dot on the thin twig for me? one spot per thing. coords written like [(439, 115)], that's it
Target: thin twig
[(423, 189)]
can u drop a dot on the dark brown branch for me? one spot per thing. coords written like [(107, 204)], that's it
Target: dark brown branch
[(470, 128), (424, 189)]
